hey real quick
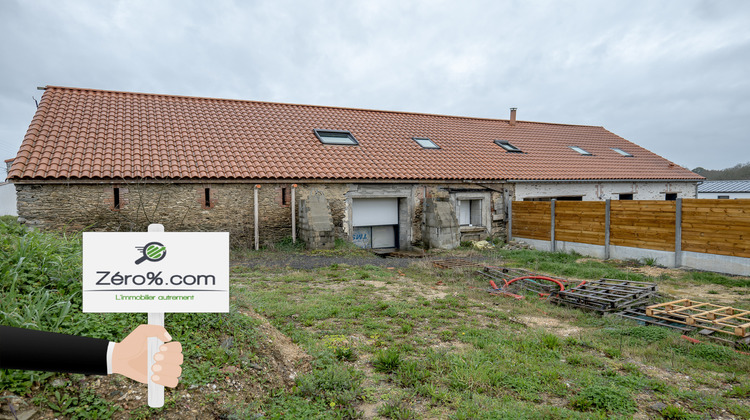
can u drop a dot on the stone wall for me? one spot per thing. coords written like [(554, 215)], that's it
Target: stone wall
[(229, 208), (179, 207)]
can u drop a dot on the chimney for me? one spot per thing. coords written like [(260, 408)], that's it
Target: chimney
[(513, 117)]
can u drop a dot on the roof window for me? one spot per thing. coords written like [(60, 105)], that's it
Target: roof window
[(622, 152), (338, 137), (580, 150), (505, 144), (426, 143)]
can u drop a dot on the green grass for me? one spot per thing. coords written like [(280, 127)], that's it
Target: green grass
[(457, 354), (40, 284), (418, 342)]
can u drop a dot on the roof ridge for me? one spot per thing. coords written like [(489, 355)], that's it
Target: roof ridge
[(427, 114)]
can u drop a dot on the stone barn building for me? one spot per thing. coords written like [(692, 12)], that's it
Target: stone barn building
[(117, 161)]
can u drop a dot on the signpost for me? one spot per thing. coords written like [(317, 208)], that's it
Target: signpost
[(155, 272)]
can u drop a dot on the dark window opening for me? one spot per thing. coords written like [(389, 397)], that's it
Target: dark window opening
[(207, 197), (626, 196), (671, 197), (561, 198), (283, 196), (336, 137), (117, 202), (723, 197), (505, 144)]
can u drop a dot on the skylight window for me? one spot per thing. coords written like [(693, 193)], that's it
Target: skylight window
[(505, 144), (580, 150), (622, 152), (343, 138), (426, 143)]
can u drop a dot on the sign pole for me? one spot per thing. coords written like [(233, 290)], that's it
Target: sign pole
[(124, 272), (155, 391)]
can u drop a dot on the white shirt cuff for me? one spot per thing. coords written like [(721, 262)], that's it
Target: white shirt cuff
[(110, 350)]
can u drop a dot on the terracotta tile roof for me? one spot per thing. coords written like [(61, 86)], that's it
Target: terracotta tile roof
[(94, 134)]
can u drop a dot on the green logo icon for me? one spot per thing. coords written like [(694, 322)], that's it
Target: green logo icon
[(152, 251)]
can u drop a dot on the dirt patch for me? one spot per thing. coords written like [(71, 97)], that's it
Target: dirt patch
[(290, 360), (710, 293), (551, 325), (401, 288), (657, 272)]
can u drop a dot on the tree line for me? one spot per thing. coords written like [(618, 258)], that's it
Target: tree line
[(739, 171)]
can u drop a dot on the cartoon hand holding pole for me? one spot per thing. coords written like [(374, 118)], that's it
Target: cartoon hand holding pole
[(40, 350), (130, 356)]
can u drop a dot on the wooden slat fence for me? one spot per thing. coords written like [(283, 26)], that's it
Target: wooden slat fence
[(580, 221), (643, 224), (719, 227), (532, 219), (716, 227)]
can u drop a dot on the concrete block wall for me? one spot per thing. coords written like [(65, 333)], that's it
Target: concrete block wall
[(599, 191)]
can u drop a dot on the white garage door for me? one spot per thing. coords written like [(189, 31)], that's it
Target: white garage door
[(375, 211)]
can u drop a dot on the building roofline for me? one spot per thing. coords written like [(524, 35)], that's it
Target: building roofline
[(203, 98)]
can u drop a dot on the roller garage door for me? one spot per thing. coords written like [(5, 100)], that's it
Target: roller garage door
[(375, 222)]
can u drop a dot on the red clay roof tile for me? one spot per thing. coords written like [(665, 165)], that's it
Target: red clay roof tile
[(94, 134)]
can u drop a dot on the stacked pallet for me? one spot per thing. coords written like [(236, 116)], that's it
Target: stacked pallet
[(716, 318), (607, 295)]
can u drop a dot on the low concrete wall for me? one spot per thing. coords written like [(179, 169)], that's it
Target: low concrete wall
[(699, 261), (662, 258), (718, 263), (595, 251)]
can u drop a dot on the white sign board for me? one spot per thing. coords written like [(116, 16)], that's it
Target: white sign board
[(156, 272)]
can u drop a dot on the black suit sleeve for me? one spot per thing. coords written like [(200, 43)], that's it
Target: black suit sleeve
[(38, 350)]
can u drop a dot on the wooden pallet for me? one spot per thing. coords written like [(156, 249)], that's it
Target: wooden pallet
[(639, 314), (455, 263), (723, 319), (607, 295)]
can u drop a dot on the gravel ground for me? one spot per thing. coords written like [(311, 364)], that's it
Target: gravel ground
[(307, 262), (297, 260)]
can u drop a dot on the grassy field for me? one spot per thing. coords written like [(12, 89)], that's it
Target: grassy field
[(423, 342), (377, 342)]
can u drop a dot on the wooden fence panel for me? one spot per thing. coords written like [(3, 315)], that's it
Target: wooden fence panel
[(643, 224), (532, 220), (580, 221), (716, 227)]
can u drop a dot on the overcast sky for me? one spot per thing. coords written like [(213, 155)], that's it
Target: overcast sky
[(671, 76)]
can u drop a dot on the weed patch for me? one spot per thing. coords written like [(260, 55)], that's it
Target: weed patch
[(604, 398)]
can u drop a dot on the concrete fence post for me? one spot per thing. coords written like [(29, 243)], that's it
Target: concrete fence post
[(255, 215), (607, 213), (552, 228), (510, 220), (294, 215), (678, 234)]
